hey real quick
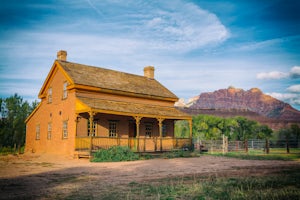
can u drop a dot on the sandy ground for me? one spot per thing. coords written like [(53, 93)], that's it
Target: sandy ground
[(55, 177)]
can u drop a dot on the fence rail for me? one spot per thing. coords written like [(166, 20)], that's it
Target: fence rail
[(136, 144), (228, 146)]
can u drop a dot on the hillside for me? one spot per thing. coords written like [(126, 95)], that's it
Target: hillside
[(252, 103)]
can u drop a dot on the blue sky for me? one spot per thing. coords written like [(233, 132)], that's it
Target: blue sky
[(195, 45)]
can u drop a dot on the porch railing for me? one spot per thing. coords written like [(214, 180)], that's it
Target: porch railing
[(135, 144)]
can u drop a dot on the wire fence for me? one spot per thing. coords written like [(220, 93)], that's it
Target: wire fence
[(229, 146)]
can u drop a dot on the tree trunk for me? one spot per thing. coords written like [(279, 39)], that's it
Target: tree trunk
[(267, 146), (246, 145), (19, 149), (287, 146)]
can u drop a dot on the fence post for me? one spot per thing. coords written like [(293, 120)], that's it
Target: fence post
[(223, 144), (200, 146), (226, 144)]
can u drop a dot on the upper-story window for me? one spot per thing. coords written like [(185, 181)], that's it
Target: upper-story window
[(50, 95), (37, 132), (65, 92)]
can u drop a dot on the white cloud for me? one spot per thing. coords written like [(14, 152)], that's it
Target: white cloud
[(282, 96), (163, 25), (272, 75), (291, 98), (294, 89), (295, 72)]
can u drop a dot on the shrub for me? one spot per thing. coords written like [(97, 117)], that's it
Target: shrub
[(114, 154), (177, 154)]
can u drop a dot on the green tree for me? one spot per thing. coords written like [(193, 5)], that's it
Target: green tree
[(13, 113), (207, 127), (229, 127), (296, 131), (286, 133), (264, 132), (181, 129), (245, 130)]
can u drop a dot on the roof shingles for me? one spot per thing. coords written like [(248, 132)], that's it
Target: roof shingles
[(115, 80), (130, 108)]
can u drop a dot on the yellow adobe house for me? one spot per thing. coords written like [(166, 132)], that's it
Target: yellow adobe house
[(85, 108)]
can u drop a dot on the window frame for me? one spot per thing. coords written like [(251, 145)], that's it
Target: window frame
[(112, 129), (49, 131), (65, 129), (164, 130), (148, 129), (38, 132), (49, 99), (65, 90), (94, 127)]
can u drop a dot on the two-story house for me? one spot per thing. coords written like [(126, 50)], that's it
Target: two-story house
[(84, 108)]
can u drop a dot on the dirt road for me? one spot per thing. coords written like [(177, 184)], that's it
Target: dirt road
[(48, 177)]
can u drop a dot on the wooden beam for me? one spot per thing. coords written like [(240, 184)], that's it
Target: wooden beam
[(91, 119), (160, 124), (137, 122)]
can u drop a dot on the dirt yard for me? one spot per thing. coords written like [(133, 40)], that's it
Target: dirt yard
[(54, 177)]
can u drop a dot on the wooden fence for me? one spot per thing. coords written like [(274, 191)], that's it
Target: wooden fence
[(135, 144), (226, 145)]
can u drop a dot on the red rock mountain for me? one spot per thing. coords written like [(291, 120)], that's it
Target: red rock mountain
[(253, 103)]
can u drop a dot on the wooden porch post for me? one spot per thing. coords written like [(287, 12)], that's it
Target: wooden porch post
[(137, 122), (191, 132), (160, 124), (91, 119)]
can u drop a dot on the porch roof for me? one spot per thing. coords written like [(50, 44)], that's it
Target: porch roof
[(131, 109)]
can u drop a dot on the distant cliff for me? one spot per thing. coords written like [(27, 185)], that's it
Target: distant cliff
[(252, 103)]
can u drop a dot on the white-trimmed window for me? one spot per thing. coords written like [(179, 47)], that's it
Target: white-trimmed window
[(112, 129), (65, 129), (37, 132), (148, 129), (49, 133), (50, 95), (94, 128), (65, 91)]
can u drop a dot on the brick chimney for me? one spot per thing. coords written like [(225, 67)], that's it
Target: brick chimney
[(62, 55), (149, 72)]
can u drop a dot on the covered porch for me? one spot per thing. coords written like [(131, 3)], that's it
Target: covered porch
[(104, 123)]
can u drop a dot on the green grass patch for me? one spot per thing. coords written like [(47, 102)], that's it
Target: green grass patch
[(11, 150), (179, 154), (275, 154), (284, 185)]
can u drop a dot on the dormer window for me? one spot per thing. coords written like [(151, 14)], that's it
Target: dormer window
[(50, 95), (65, 92)]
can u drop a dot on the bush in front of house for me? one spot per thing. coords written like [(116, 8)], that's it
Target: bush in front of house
[(115, 154)]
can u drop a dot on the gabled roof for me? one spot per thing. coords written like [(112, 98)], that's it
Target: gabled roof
[(112, 80)]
